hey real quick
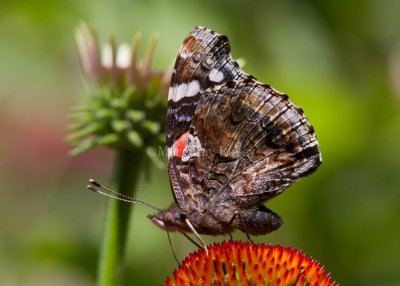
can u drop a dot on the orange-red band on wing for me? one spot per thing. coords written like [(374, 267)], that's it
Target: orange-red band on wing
[(180, 144)]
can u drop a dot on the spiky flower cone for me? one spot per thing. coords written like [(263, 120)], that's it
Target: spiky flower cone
[(238, 263), (124, 105)]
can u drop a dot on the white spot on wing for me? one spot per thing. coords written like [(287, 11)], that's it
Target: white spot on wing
[(216, 75), (193, 88), (192, 148), (184, 54), (178, 92), (170, 151), (170, 92)]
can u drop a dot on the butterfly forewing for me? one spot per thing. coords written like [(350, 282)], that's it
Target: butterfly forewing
[(203, 62)]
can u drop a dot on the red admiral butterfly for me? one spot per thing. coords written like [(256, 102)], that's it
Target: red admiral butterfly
[(233, 143)]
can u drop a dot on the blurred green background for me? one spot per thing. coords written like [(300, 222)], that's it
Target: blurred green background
[(338, 60)]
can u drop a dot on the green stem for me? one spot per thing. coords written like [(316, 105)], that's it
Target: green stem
[(127, 170)]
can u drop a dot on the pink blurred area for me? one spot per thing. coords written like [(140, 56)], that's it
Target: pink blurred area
[(34, 148)]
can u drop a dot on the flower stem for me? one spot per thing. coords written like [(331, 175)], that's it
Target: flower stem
[(127, 170)]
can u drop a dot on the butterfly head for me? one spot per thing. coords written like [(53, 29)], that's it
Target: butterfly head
[(170, 220)]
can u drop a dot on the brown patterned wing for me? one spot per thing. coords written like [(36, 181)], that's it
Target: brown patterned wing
[(229, 136), (255, 142), (203, 62)]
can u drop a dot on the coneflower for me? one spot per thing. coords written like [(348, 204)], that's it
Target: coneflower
[(237, 263)]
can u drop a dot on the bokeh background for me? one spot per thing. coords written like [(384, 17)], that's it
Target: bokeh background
[(338, 60)]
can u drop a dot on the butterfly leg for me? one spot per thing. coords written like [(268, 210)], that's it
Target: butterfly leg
[(172, 249), (191, 240), (242, 222), (245, 228), (229, 223), (189, 224)]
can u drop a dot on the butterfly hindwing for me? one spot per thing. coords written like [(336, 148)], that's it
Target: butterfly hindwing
[(259, 142)]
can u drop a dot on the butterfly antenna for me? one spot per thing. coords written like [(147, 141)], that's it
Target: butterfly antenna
[(100, 189)]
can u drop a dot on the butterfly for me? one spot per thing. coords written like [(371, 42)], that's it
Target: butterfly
[(233, 143)]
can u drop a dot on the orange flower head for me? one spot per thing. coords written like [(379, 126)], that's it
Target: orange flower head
[(237, 263)]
